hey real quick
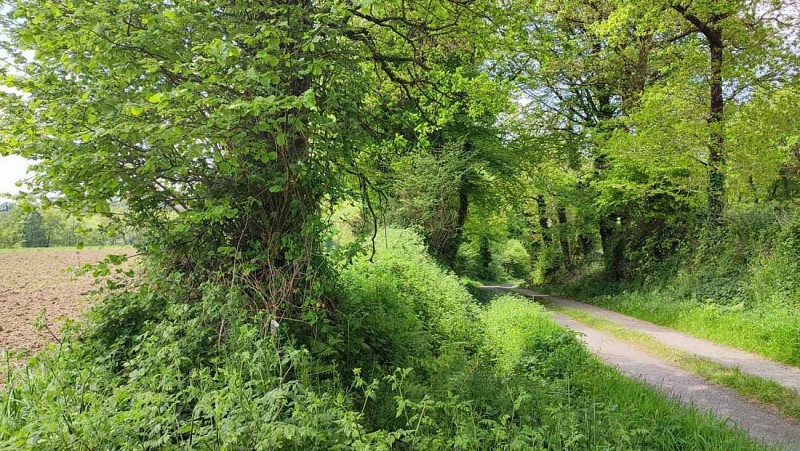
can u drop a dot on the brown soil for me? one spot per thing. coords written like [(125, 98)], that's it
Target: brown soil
[(39, 279)]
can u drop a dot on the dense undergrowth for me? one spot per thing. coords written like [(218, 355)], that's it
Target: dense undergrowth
[(410, 362), (739, 285)]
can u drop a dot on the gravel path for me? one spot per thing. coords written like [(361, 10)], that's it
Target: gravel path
[(749, 363), (760, 422)]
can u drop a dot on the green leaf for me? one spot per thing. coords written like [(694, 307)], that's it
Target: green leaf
[(266, 157), (102, 207)]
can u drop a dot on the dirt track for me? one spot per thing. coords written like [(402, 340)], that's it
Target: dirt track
[(747, 362), (33, 280), (760, 422)]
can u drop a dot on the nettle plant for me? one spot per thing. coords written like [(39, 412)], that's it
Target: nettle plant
[(223, 126)]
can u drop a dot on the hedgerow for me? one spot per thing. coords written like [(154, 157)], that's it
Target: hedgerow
[(738, 285), (421, 366)]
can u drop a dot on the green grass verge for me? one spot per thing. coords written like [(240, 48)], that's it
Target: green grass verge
[(763, 390)]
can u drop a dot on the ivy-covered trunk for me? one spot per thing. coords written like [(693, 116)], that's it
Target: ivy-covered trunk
[(544, 225), (612, 241), (288, 228), (563, 236), (448, 249), (709, 25), (716, 154), (266, 181)]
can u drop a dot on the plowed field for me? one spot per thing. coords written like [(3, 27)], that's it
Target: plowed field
[(38, 279)]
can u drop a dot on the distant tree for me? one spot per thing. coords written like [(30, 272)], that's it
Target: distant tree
[(11, 228), (33, 233)]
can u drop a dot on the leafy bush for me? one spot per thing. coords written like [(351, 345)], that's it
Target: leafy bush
[(402, 303), (517, 333), (511, 260), (152, 371)]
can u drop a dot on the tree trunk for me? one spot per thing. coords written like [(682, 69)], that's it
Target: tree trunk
[(448, 247), (716, 160), (613, 244), (709, 28), (587, 245), (544, 226), (463, 209), (563, 238), (449, 250), (284, 227)]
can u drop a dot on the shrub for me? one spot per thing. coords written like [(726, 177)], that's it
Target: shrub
[(521, 337), (467, 262), (151, 371), (511, 260), (403, 303), (484, 260)]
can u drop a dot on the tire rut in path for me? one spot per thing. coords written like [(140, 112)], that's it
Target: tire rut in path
[(760, 422)]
